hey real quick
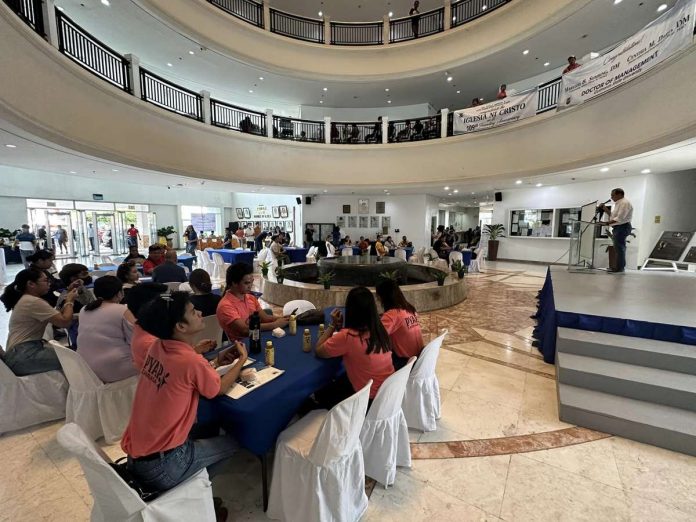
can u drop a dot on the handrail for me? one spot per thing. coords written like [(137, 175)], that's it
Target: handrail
[(362, 33), (237, 118), (286, 128), (31, 13), (298, 27), (170, 96), (467, 10), (247, 10), (548, 94), (417, 26), (92, 54), (356, 132), (414, 129)]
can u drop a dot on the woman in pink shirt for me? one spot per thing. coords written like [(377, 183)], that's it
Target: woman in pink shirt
[(364, 345), (400, 320)]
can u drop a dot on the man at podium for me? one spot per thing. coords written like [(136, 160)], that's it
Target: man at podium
[(620, 215)]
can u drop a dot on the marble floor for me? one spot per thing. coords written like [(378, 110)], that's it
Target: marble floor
[(500, 452)]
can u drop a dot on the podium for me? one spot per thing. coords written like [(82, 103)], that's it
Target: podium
[(581, 256)]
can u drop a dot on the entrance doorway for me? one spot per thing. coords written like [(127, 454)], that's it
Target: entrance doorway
[(61, 235)]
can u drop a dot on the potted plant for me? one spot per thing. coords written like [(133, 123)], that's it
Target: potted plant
[(460, 268), (393, 275), (5, 235), (280, 274), (325, 279), (165, 235), (440, 276), (494, 231), (264, 268), (427, 258)]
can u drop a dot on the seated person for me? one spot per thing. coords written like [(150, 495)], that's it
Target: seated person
[(238, 304), (26, 353), (376, 135), (391, 130), (231, 241), (389, 243), (159, 440), (347, 241), (169, 271), (75, 275), (106, 327), (405, 133), (134, 255), (380, 249), (354, 133), (330, 249), (400, 320), (364, 244), (442, 248), (203, 299), (362, 342), (417, 131), (155, 257), (128, 274), (278, 251), (404, 242), (43, 260)]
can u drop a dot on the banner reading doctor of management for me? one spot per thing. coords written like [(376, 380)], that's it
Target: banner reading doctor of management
[(655, 43), (492, 114)]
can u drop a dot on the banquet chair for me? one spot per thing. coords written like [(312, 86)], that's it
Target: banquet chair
[(311, 255), (300, 304), (211, 330), (400, 253), (263, 255), (218, 266), (99, 409), (455, 256), (440, 263), (30, 399), (185, 287), (384, 435), (482, 256), (347, 251), (417, 256), (318, 470), (173, 286), (421, 405), (475, 265), (116, 501)]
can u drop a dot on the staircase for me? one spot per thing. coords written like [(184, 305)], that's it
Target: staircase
[(637, 388)]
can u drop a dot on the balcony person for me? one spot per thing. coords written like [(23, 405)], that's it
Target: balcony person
[(572, 65), (414, 13), (502, 92)]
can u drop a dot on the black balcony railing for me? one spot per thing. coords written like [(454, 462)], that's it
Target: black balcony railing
[(30, 11), (548, 94), (343, 33), (298, 130), (90, 53), (414, 129), (412, 27), (168, 95), (354, 133), (247, 10), (297, 27), (466, 10), (237, 118)]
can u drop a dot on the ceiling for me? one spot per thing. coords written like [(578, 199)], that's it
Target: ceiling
[(128, 28)]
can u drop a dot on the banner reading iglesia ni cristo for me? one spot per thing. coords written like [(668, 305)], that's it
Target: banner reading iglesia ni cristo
[(668, 34), (493, 114)]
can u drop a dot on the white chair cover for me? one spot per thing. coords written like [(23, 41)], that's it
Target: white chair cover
[(455, 256), (185, 287), (475, 265), (115, 501), (318, 471), (311, 255), (98, 408), (31, 399), (421, 404), (384, 435), (262, 255), (300, 304), (481, 257), (441, 264), (212, 330), (417, 256), (218, 266), (347, 251), (400, 253), (173, 286)]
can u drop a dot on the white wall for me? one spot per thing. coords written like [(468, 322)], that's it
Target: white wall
[(402, 112)]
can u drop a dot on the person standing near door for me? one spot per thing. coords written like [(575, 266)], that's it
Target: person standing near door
[(26, 241), (60, 237), (133, 236), (90, 236)]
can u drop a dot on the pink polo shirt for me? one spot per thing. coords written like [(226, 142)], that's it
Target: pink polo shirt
[(360, 366), (230, 308), (140, 344), (404, 332), (166, 399)]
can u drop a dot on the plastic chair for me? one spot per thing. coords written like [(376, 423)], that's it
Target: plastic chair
[(173, 286), (475, 265), (455, 256), (300, 304), (212, 330), (400, 253), (347, 251), (185, 287), (421, 405), (30, 399), (384, 435), (218, 266), (99, 409), (115, 501), (311, 255), (318, 470)]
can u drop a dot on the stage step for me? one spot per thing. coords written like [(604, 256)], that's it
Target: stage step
[(665, 387), (631, 350), (656, 424)]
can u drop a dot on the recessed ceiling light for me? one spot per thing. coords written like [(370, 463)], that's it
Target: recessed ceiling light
[(388, 101), (325, 89), (320, 13), (106, 3), (391, 14), (191, 52), (385, 190), (169, 64), (386, 89), (473, 193), (546, 64), (526, 51), (661, 8), (604, 169), (321, 101), (449, 78), (449, 194), (114, 170), (455, 191), (459, 92), (616, 2), (10, 146), (645, 171), (261, 78), (518, 182), (73, 172), (593, 55), (388, 193), (251, 90), (539, 184)]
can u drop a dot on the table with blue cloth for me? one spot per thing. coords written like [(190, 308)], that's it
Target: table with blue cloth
[(102, 270), (234, 256), (467, 256), (296, 254), (186, 260), (408, 250), (257, 419)]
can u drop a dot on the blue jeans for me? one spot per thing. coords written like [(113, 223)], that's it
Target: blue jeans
[(31, 357), (619, 235), (170, 468)]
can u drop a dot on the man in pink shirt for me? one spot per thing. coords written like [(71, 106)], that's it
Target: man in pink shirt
[(158, 440)]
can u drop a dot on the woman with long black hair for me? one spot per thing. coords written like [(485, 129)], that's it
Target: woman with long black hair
[(400, 320), (362, 342)]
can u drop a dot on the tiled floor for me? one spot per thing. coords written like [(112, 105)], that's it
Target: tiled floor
[(500, 451)]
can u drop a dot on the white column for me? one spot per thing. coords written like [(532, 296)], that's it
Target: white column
[(48, 8), (385, 30), (267, 15), (134, 72), (327, 30), (327, 129), (269, 123), (443, 123), (448, 15), (206, 106), (385, 129)]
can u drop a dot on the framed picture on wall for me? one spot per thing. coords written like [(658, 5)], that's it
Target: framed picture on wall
[(276, 212), (386, 224), (247, 213), (288, 226), (363, 206), (346, 209), (340, 221), (374, 221), (240, 213), (363, 221), (352, 221), (283, 211), (379, 207), (264, 225)]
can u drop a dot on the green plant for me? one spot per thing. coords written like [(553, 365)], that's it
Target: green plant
[(393, 275), (280, 274), (6, 233), (165, 231), (495, 231), (457, 266), (264, 268), (441, 277), (326, 278)]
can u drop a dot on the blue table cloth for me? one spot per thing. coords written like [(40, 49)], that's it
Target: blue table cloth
[(234, 256), (186, 260), (257, 419), (297, 254), (409, 252), (466, 255)]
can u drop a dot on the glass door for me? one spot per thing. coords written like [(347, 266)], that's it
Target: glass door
[(104, 224), (61, 233)]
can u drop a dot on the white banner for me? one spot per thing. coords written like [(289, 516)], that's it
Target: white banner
[(668, 34), (513, 108)]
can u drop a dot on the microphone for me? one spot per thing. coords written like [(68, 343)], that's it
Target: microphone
[(607, 201)]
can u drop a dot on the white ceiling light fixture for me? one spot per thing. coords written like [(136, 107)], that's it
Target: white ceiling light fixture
[(604, 169), (114, 170), (325, 89), (525, 52), (325, 191), (251, 91), (446, 188), (539, 184), (169, 64), (449, 78), (645, 171), (455, 191), (518, 182), (546, 64), (388, 101), (459, 92), (321, 101), (191, 52), (10, 146), (386, 89), (391, 14), (261, 78), (661, 8), (106, 3), (617, 2), (73, 172), (320, 13)]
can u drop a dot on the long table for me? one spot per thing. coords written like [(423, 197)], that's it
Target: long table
[(296, 254), (234, 256)]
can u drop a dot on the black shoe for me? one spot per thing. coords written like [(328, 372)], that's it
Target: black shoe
[(535, 344)]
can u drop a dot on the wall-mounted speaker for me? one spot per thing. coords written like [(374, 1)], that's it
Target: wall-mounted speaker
[(499, 196), (299, 200), (308, 200)]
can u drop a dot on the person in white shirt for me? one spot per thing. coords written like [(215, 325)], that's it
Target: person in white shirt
[(278, 251), (620, 217), (330, 249)]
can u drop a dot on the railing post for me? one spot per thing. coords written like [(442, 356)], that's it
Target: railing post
[(267, 15), (443, 123), (385, 129), (206, 107), (447, 22), (327, 129), (134, 72), (48, 13), (327, 30), (385, 30), (269, 123)]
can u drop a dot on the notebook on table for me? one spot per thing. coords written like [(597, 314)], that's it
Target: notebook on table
[(241, 388), (222, 370)]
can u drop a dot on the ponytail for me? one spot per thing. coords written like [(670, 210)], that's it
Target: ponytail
[(94, 304), (106, 287), (14, 292)]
